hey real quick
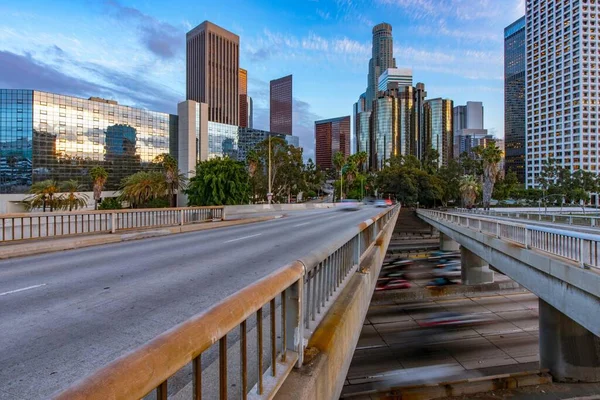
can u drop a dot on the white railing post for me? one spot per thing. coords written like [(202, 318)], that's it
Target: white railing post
[(526, 238), (294, 319), (113, 222), (479, 223), (498, 230), (181, 217)]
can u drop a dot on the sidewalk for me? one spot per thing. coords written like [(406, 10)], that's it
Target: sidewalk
[(35, 246)]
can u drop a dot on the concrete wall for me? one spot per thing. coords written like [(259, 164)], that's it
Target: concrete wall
[(12, 203), (336, 337)]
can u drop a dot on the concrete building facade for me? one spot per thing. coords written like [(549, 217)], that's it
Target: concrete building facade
[(212, 71)]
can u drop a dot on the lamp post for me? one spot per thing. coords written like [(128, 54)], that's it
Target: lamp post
[(270, 194)]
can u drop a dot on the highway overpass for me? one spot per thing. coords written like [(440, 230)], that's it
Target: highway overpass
[(559, 263)]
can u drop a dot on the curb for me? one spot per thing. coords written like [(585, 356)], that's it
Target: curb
[(443, 291), (459, 387), (61, 244)]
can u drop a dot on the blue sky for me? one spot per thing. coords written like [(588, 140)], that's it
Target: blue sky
[(134, 50)]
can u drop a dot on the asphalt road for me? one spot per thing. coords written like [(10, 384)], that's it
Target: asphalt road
[(66, 314)]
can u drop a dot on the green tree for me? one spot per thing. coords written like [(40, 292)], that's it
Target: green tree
[(469, 189), (504, 187), (174, 179), (220, 181), (43, 195), (490, 157), (430, 162), (99, 177), (142, 187), (450, 179), (72, 198)]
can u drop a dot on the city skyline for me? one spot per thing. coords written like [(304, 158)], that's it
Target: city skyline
[(327, 49)]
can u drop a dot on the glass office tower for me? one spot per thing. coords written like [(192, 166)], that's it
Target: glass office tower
[(51, 136)]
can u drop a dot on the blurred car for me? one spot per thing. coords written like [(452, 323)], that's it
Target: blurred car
[(350, 205), (369, 201), (380, 203), (453, 319), (449, 271), (388, 202), (440, 281), (392, 284)]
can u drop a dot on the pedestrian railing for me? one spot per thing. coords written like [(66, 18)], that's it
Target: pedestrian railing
[(554, 217), (27, 226), (298, 295), (583, 248)]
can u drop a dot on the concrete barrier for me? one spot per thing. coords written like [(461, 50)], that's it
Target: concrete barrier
[(253, 208), (331, 347)]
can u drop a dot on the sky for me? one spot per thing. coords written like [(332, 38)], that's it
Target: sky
[(133, 51)]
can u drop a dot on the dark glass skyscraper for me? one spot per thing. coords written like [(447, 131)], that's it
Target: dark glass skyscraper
[(514, 98), (382, 59), (281, 105)]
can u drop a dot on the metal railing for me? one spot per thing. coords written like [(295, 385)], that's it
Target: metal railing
[(554, 217), (298, 295), (583, 248), (28, 226)]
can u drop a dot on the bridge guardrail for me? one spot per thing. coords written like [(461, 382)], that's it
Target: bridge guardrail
[(302, 291), (27, 226), (555, 217), (583, 248)]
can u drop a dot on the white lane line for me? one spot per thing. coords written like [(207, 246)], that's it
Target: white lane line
[(22, 289), (242, 238), (305, 223)]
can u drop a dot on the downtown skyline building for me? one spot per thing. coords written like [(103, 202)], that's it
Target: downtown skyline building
[(382, 58), (281, 105), (213, 71), (331, 136), (514, 98), (468, 128), (439, 128), (562, 90)]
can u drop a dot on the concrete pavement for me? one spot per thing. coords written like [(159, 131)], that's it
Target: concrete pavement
[(66, 314)]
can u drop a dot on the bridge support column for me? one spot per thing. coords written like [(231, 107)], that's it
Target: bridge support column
[(447, 244), (474, 270), (567, 349)]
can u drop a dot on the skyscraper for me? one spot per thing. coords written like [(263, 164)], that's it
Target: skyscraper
[(357, 109), (244, 112), (382, 59), (562, 86), (395, 77), (281, 105), (514, 98), (439, 128), (419, 121), (212, 71), (468, 127), (331, 136)]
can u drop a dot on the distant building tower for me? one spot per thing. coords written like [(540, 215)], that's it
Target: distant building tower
[(439, 129), (358, 108), (468, 128), (514, 98), (250, 112), (281, 105), (212, 71), (382, 59), (395, 77), (331, 136), (419, 121), (243, 89)]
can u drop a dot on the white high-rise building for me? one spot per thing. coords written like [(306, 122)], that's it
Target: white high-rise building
[(562, 85)]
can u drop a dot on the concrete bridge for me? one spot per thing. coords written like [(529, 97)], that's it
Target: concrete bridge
[(560, 265)]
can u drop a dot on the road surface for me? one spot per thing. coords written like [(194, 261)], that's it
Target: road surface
[(66, 314)]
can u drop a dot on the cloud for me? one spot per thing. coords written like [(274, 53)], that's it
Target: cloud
[(25, 72), (162, 39), (324, 15), (464, 10)]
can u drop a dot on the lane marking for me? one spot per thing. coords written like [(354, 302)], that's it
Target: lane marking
[(242, 238), (22, 289), (305, 223)]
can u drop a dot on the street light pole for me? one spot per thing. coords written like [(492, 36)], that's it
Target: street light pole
[(270, 194), (341, 183)]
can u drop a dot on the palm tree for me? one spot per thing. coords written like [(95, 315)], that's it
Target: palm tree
[(469, 189), (491, 157), (42, 195), (72, 199), (173, 178), (361, 159), (143, 186), (339, 160), (99, 177)]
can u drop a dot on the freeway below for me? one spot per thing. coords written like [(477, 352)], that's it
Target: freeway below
[(66, 314)]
